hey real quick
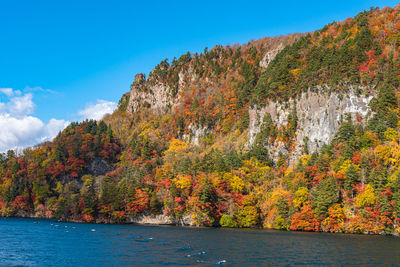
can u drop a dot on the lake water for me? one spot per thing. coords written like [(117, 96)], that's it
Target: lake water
[(29, 242)]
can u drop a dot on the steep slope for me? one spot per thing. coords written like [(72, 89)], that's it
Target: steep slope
[(293, 132)]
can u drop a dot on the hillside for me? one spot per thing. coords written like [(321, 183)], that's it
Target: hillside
[(296, 132)]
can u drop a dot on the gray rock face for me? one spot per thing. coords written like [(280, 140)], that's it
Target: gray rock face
[(197, 133), (269, 56), (99, 167), (153, 219), (186, 220), (154, 94), (319, 116), (162, 219), (140, 80)]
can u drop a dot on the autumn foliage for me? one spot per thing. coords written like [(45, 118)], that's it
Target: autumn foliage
[(151, 162)]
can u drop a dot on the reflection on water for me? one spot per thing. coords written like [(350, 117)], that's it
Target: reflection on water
[(27, 242)]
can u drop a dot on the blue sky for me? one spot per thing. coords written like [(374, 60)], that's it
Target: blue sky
[(69, 54)]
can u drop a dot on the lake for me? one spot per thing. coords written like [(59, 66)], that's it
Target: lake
[(30, 242)]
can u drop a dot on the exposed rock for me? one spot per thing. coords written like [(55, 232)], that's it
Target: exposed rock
[(162, 219), (139, 81), (99, 166), (319, 113), (269, 56), (156, 96), (186, 220), (197, 133), (153, 219)]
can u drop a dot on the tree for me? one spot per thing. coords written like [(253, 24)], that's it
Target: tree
[(345, 133), (305, 220), (326, 193), (89, 195), (366, 198), (59, 153), (352, 178)]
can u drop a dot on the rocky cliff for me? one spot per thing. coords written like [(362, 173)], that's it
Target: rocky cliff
[(319, 112)]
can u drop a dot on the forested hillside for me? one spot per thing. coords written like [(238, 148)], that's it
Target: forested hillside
[(296, 132)]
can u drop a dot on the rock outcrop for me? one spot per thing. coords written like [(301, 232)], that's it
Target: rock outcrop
[(156, 95), (162, 219), (99, 166), (319, 114), (270, 55)]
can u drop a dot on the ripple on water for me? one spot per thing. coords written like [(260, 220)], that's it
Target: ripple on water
[(185, 248), (148, 239), (211, 262), (200, 253), (23, 243)]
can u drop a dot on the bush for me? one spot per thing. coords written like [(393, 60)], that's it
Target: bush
[(228, 221)]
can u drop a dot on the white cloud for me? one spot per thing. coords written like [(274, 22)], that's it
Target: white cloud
[(18, 128), (40, 89), (97, 111), (18, 105), (7, 91), (21, 105), (51, 129), (2, 107)]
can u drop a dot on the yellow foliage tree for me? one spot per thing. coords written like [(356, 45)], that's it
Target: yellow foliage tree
[(366, 197), (300, 197), (391, 135), (183, 181), (234, 181), (177, 151)]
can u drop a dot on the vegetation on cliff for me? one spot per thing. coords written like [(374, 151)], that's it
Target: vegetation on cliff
[(152, 161)]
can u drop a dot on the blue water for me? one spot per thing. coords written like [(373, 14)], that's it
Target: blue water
[(29, 242)]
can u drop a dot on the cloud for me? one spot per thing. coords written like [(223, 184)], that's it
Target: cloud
[(18, 105), (27, 131), (97, 111), (40, 89), (21, 105), (2, 107), (18, 128), (52, 128), (7, 91)]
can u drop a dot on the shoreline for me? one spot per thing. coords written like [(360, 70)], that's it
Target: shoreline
[(135, 223)]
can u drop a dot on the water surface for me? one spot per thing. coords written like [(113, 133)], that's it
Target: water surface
[(29, 242)]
